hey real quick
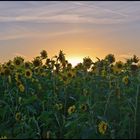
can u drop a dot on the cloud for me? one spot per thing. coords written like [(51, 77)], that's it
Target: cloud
[(15, 17), (62, 12), (101, 8), (39, 35)]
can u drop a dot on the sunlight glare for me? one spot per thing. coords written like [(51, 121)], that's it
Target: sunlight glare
[(75, 60)]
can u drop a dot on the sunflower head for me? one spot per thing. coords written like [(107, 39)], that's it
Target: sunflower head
[(9, 63), (87, 62), (135, 59), (110, 58), (37, 62), (119, 65), (21, 87), (69, 66), (79, 66), (102, 127), (17, 76), (59, 106), (27, 64), (70, 74), (61, 57), (84, 107), (47, 61), (6, 71), (125, 80), (18, 116), (64, 78), (28, 73), (43, 54), (71, 109), (18, 61)]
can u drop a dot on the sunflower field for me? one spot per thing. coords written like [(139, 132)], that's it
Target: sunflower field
[(48, 98)]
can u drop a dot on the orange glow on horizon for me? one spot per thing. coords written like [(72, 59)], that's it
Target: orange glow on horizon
[(75, 60)]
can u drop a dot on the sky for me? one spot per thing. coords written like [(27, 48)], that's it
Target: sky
[(79, 28)]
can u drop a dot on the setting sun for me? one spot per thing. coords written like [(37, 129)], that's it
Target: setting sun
[(75, 60), (69, 69)]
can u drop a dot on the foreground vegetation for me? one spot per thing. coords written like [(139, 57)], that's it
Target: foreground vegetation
[(48, 98)]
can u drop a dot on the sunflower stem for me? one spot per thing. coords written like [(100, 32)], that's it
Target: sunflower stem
[(107, 103)]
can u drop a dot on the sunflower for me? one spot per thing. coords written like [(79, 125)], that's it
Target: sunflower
[(135, 59), (64, 78), (94, 69), (119, 65), (27, 64), (79, 66), (17, 76), (18, 116), (102, 127), (71, 109), (9, 63), (69, 66), (59, 106), (125, 80), (48, 61), (87, 62), (18, 61), (70, 74), (43, 54), (57, 66), (21, 87), (36, 71), (84, 107), (61, 56), (6, 71), (110, 58), (117, 68), (28, 73), (11, 67), (37, 62)]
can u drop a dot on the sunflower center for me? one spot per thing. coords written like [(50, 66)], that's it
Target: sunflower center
[(17, 62), (28, 73)]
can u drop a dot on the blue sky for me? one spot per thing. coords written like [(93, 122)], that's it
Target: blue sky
[(96, 28)]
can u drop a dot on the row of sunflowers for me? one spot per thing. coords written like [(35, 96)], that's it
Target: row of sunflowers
[(48, 98)]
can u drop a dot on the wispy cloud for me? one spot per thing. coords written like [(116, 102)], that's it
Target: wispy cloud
[(70, 12), (101, 8), (14, 17), (39, 35)]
